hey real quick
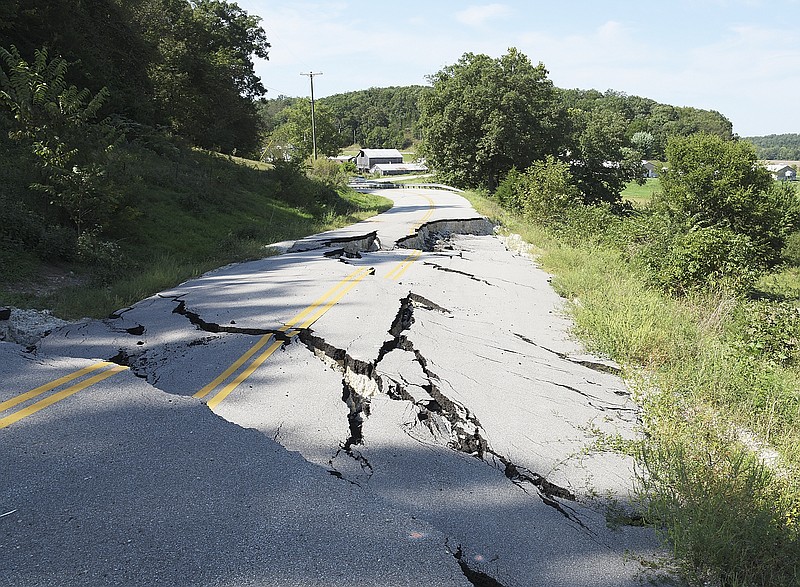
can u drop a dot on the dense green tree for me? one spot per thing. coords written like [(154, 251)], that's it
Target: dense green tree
[(184, 64), (484, 116), (644, 142), (100, 38), (270, 112), (64, 150), (294, 136), (543, 192), (719, 200), (204, 78), (600, 162)]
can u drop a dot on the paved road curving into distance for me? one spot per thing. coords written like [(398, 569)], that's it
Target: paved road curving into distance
[(395, 403)]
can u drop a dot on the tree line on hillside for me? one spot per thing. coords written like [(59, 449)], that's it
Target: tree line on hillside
[(88, 90), (186, 66), (784, 147), (391, 118), (376, 118)]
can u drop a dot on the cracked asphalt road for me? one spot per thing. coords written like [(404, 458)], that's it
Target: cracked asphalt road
[(396, 403)]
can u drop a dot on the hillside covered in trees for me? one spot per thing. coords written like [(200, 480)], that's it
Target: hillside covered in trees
[(113, 115), (185, 66), (390, 118), (780, 147)]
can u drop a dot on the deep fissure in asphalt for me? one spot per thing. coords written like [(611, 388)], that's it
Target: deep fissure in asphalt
[(361, 380)]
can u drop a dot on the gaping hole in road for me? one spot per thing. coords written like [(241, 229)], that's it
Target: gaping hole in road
[(431, 234)]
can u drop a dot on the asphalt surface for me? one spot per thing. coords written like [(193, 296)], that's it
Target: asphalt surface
[(395, 403)]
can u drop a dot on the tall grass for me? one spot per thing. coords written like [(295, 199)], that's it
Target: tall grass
[(719, 452), (184, 213)]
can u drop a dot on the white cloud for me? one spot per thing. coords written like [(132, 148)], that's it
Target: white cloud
[(480, 15)]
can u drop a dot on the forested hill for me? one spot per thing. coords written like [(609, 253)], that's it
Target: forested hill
[(389, 117), (186, 66), (645, 118), (782, 147)]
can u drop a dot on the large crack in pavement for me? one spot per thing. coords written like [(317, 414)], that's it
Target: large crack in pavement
[(457, 272), (450, 423), (213, 327), (593, 363), (347, 244), (446, 419), (476, 577)]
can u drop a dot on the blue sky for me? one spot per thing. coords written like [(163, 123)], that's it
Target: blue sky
[(740, 57)]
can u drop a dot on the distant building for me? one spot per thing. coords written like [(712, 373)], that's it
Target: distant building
[(782, 172), (368, 158), (383, 169), (650, 169)]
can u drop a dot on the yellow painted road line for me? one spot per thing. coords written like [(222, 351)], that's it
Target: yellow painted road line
[(333, 300), (233, 368), (57, 397), (226, 391), (357, 275), (23, 397), (403, 265), (329, 298)]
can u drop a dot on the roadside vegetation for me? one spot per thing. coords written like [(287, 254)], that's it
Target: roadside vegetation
[(699, 299), (110, 137), (691, 282), (121, 211)]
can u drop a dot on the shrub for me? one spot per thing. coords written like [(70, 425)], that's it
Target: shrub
[(701, 258), (715, 183), (769, 330), (328, 172), (543, 192)]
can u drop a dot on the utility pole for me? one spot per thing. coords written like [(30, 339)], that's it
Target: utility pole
[(311, 75)]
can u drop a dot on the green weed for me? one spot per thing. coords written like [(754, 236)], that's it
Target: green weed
[(185, 212), (716, 375)]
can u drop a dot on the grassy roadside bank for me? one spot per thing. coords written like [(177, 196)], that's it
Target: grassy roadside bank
[(718, 463), (188, 211)]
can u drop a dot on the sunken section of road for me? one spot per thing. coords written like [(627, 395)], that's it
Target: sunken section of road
[(436, 426)]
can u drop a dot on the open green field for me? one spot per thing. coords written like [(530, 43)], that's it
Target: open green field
[(640, 195)]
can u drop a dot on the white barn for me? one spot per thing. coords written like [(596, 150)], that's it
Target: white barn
[(782, 172), (368, 158)]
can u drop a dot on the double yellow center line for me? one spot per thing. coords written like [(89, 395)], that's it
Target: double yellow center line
[(302, 320), (403, 266), (426, 216), (106, 369)]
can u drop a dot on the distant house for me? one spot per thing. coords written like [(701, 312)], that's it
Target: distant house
[(383, 169), (368, 158), (782, 172), (650, 169)]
